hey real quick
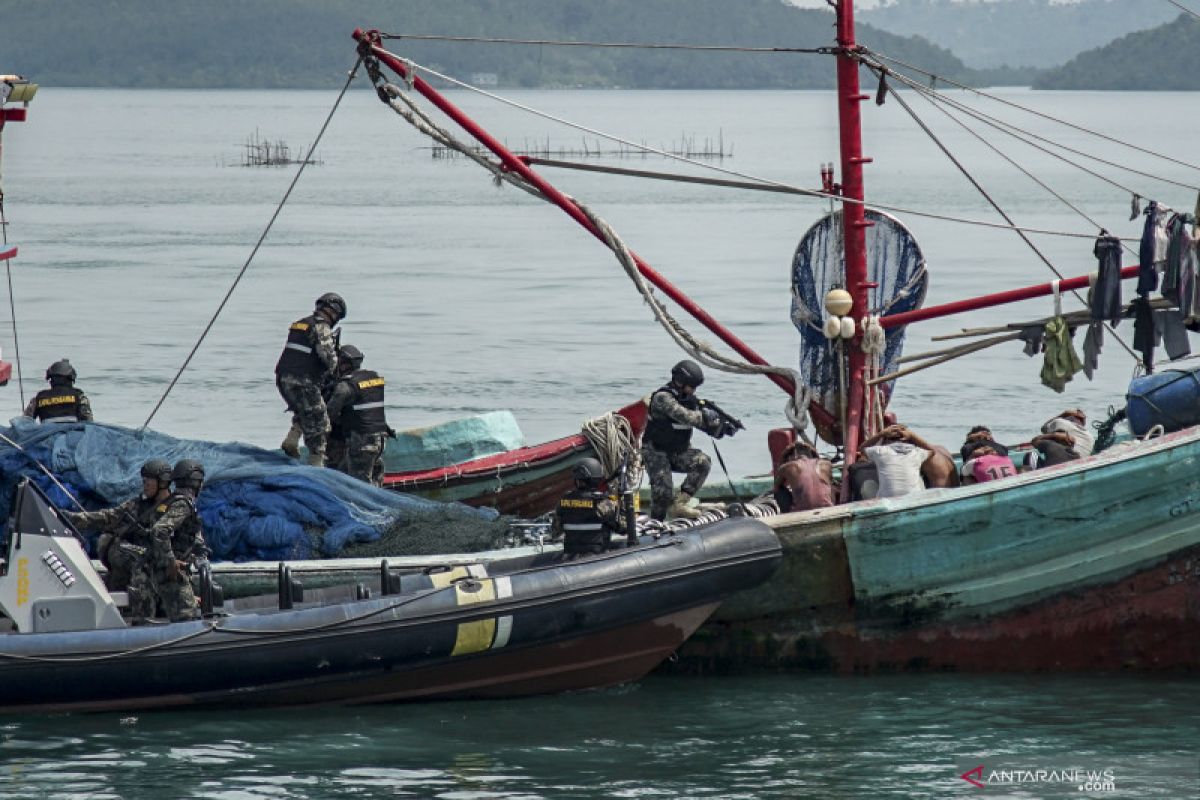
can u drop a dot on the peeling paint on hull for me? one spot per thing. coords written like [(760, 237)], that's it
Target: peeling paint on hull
[(1092, 566)]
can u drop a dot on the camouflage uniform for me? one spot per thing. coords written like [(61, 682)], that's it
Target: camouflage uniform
[(363, 430), (160, 583), (669, 452), (129, 522), (309, 359)]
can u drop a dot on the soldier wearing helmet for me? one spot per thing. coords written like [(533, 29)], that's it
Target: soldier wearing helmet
[(308, 361), (356, 415), (162, 586), (125, 528), (586, 517), (62, 402), (666, 445)]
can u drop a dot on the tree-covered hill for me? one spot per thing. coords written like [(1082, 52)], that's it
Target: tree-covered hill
[(1166, 57), (306, 43), (1036, 33)]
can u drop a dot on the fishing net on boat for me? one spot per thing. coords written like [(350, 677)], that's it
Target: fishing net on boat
[(894, 263), (256, 504)]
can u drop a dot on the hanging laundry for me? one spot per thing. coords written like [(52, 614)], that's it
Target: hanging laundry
[(1092, 343), (1061, 362), (1105, 299), (1147, 277), (1135, 207), (1182, 261), (1144, 337), (1170, 286), (1034, 336), (1169, 324)]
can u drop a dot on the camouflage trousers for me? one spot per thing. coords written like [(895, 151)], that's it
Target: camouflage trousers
[(121, 562), (364, 457), (660, 465), (303, 397), (154, 593)]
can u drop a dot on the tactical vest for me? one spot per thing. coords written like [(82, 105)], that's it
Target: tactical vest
[(664, 433), (146, 512), (364, 413), (583, 530), (58, 404), (299, 357), (187, 541)]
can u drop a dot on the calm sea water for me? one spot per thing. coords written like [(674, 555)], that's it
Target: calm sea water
[(132, 220)]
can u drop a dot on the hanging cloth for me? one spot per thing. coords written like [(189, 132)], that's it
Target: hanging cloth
[(1092, 343), (1147, 277), (1168, 323), (1170, 278), (1061, 362), (1106, 294), (1143, 331)]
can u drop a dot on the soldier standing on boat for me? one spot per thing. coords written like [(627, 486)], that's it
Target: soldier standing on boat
[(356, 413), (176, 544), (666, 446), (125, 528), (309, 359), (62, 402), (586, 517)]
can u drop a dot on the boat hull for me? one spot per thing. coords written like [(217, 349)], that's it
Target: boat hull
[(1093, 565), (533, 625), (525, 482)]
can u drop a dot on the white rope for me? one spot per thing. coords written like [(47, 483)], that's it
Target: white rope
[(612, 437), (796, 409)]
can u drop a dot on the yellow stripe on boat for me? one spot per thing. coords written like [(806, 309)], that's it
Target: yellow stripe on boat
[(475, 636)]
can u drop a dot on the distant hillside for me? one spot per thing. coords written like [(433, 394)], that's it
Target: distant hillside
[(1035, 33), (1167, 57), (306, 43)]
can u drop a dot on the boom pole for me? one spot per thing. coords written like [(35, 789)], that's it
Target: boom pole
[(854, 222), (370, 40)]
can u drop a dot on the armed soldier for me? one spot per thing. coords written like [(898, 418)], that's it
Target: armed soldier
[(177, 544), (356, 413), (586, 517), (62, 402), (309, 359), (125, 528), (666, 446)]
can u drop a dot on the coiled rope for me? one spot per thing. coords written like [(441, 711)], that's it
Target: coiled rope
[(612, 437)]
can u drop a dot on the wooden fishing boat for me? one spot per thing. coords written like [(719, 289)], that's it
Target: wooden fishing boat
[(526, 481), (1090, 565), (530, 624)]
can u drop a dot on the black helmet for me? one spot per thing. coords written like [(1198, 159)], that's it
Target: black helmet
[(349, 354), (334, 302), (588, 471), (687, 373), (61, 369), (158, 469), (188, 472)]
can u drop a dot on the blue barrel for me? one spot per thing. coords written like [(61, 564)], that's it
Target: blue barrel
[(1170, 398)]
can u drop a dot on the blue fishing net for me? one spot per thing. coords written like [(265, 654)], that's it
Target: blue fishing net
[(256, 504), (894, 263)]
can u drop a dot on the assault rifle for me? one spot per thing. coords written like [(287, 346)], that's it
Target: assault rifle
[(625, 489), (727, 424)]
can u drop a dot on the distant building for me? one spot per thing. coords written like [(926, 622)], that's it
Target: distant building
[(484, 79)]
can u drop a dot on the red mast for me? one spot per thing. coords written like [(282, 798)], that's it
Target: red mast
[(853, 214)]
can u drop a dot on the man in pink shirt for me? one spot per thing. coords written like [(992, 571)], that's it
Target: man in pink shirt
[(985, 464)]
